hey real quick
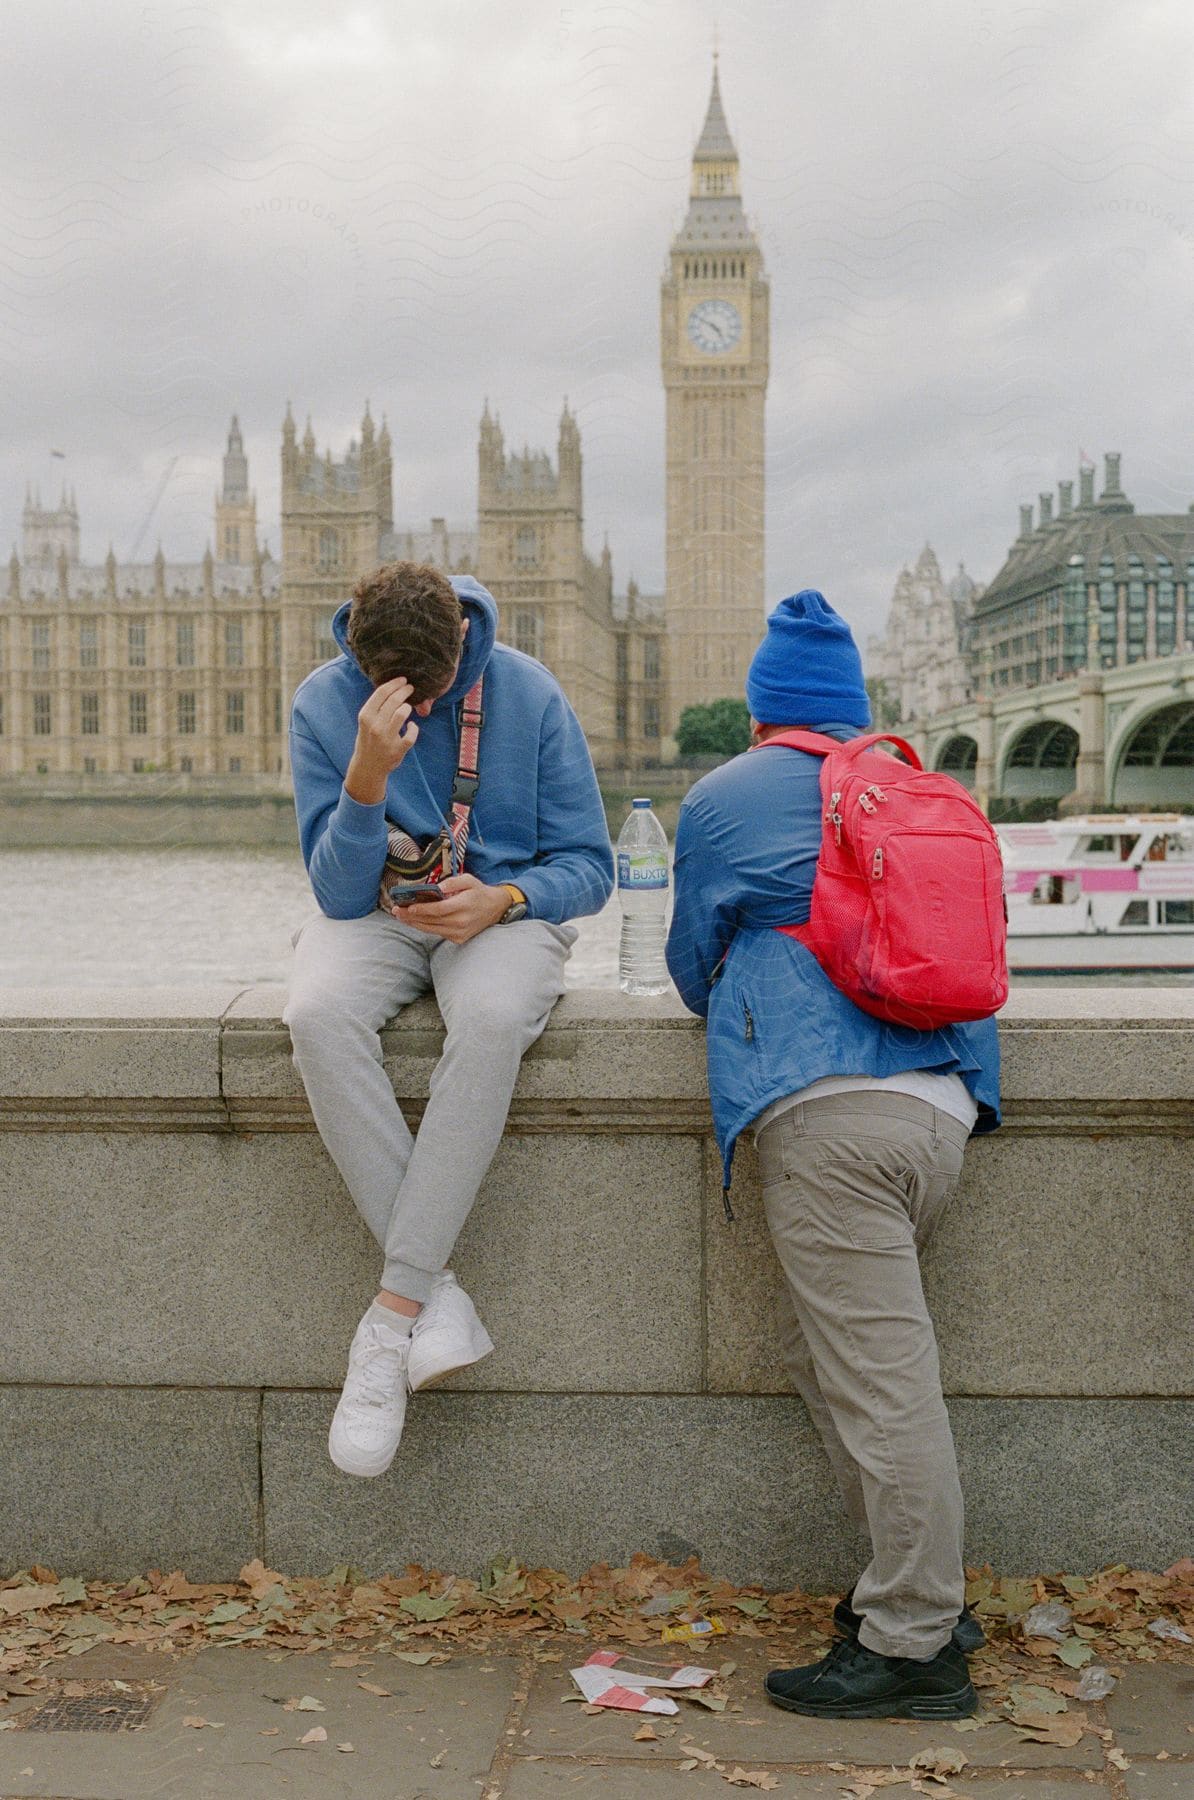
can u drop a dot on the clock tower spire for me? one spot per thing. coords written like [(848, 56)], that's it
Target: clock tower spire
[(714, 349)]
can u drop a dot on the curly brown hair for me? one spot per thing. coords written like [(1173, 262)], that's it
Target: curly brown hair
[(405, 620)]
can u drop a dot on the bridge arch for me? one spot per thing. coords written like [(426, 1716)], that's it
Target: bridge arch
[(958, 756), (1039, 761), (1154, 759)]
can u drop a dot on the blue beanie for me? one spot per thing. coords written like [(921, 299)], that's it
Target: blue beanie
[(807, 670)]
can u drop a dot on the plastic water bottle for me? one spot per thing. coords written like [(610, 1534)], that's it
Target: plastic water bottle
[(642, 891)]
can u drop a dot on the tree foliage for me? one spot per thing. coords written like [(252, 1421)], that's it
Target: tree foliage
[(885, 708), (722, 728)]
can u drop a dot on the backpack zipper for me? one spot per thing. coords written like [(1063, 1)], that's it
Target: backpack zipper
[(877, 864)]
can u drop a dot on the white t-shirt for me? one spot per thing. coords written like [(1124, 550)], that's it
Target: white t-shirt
[(948, 1093)]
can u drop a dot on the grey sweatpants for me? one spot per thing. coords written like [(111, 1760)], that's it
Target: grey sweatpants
[(495, 994), (853, 1185)]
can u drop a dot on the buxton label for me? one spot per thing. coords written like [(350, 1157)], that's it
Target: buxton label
[(643, 869)]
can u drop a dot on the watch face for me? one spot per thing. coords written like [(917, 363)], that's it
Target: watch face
[(714, 326)]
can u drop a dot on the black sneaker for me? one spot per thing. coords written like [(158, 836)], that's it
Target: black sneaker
[(853, 1682), (968, 1633)]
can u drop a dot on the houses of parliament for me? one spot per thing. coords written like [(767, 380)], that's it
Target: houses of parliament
[(189, 667)]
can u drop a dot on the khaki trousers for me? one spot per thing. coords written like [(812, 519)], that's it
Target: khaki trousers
[(853, 1185)]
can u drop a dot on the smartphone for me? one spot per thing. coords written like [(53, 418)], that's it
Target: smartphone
[(413, 894)]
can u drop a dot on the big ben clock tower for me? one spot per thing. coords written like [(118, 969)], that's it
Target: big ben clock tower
[(714, 342)]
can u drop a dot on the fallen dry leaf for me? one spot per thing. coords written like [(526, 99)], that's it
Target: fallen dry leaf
[(348, 1749), (316, 1735), (646, 1734), (360, 1618), (195, 1720), (1117, 1759), (437, 1760), (371, 1687), (939, 1763), (1045, 1728), (28, 1599), (270, 1731), (753, 1778), (308, 1703)]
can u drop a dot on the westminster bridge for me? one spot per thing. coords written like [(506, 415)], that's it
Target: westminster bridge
[(1113, 737)]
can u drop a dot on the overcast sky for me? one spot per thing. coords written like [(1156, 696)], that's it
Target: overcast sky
[(977, 219)]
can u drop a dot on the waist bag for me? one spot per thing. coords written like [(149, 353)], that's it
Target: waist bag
[(908, 917), (408, 860)]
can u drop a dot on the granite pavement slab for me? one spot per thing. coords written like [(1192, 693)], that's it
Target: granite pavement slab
[(1152, 1709), (432, 1733), (752, 1731)]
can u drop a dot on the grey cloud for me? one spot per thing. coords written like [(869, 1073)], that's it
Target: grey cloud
[(978, 224)]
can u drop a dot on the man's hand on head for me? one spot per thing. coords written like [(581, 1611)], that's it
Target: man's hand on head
[(386, 734), (468, 908)]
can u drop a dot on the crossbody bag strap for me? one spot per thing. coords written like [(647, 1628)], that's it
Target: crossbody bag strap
[(464, 785)]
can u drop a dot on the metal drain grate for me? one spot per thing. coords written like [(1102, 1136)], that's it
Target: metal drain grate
[(106, 1709)]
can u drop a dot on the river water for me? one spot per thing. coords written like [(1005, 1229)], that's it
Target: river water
[(169, 917), (165, 918)]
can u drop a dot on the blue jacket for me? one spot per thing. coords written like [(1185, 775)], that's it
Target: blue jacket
[(538, 819), (746, 851)]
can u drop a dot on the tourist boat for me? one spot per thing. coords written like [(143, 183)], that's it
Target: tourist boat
[(1100, 891)]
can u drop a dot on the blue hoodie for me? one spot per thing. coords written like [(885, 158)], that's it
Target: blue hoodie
[(538, 820)]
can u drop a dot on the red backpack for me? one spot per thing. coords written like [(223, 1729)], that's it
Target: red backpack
[(908, 917)]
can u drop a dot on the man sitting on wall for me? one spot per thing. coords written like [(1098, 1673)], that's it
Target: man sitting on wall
[(860, 1127), (428, 738)]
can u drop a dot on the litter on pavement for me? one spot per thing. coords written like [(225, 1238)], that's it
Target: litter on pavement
[(609, 1679)]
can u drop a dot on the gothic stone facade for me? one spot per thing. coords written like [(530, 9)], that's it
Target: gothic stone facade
[(922, 657), (189, 667)]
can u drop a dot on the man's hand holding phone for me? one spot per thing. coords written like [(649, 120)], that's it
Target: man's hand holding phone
[(467, 908), (386, 734)]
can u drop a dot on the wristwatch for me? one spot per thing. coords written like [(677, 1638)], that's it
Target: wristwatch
[(518, 904)]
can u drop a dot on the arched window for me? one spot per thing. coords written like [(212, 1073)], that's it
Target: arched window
[(329, 548), (526, 547)]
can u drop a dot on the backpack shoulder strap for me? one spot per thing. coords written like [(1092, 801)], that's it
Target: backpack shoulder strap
[(857, 745), (817, 744), (813, 741)]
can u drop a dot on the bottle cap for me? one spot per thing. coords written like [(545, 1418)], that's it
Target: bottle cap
[(645, 802)]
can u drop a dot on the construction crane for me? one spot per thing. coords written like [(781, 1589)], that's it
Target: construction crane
[(147, 521)]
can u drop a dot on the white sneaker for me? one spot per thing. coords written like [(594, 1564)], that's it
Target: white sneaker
[(447, 1335), (371, 1412)]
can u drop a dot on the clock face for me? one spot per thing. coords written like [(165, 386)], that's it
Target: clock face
[(714, 326)]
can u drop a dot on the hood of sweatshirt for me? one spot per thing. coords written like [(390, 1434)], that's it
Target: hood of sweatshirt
[(480, 609)]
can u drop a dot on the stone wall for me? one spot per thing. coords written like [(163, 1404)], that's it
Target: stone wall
[(183, 1270), (136, 812)]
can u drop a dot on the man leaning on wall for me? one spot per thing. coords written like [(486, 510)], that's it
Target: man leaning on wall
[(861, 1129)]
